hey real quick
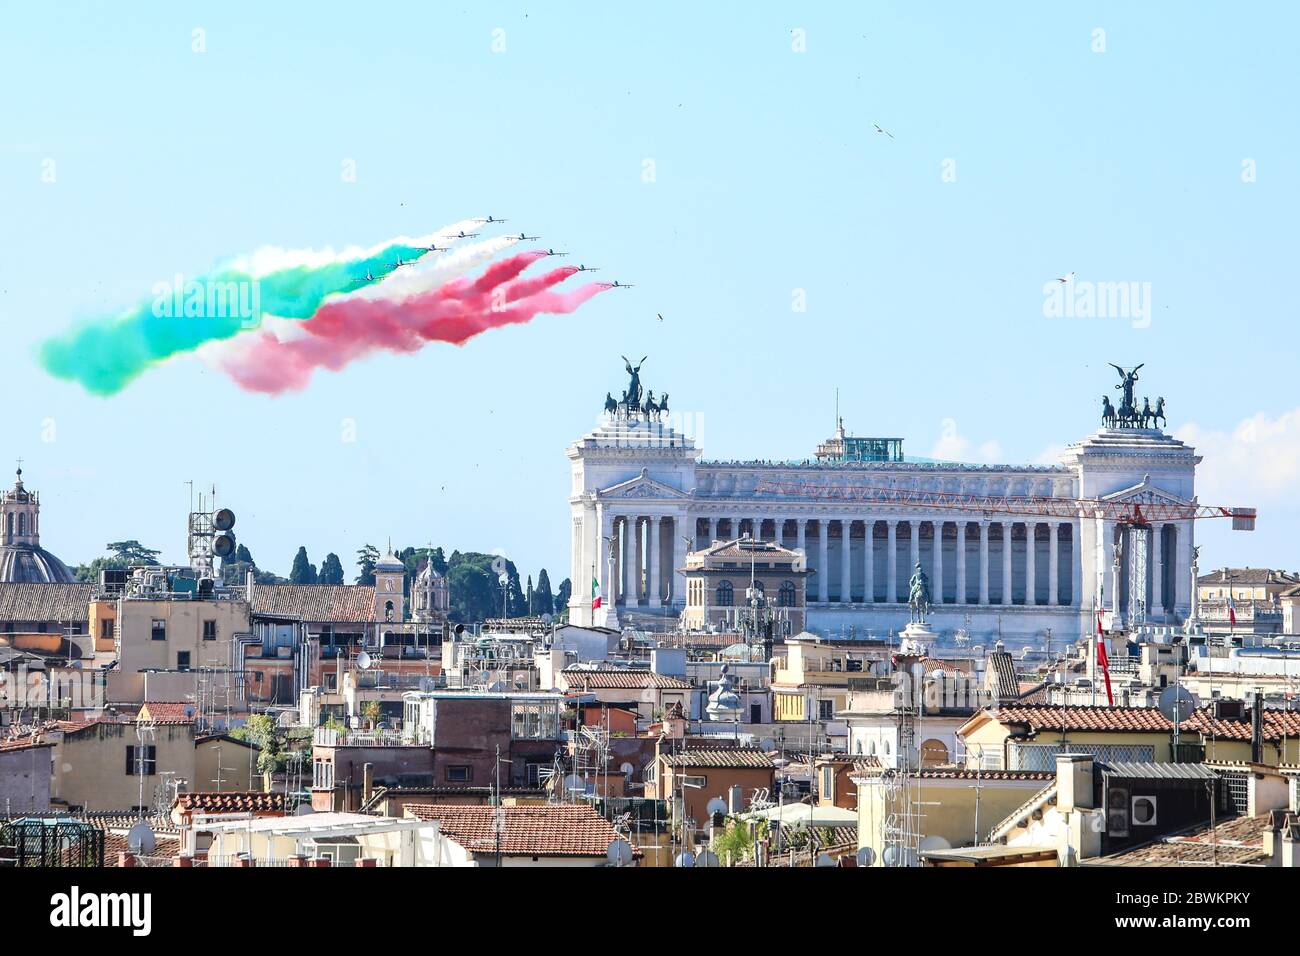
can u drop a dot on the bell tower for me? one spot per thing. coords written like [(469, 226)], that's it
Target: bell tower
[(390, 576), (20, 511)]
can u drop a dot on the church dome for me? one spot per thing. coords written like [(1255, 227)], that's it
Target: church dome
[(27, 565), (22, 559)]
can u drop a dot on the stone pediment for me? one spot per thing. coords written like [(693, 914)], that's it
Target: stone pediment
[(640, 488), (1145, 493)]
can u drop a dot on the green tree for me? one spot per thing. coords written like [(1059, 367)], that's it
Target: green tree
[(331, 570), (562, 596), (474, 591), (366, 560), (439, 561), (372, 712), (133, 552), (303, 571), (543, 599)]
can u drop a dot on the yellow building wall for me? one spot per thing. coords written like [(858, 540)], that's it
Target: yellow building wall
[(90, 765), (991, 737), (947, 809)]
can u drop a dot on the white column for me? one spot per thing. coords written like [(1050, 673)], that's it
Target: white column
[(1076, 568), (937, 584), (961, 561), (823, 561), (1053, 563), (677, 549), (1158, 575), (801, 535), (984, 562), (1031, 563), (628, 544), (638, 576), (1183, 567), (602, 569), (846, 549), (1006, 561), (653, 557), (891, 560), (869, 558)]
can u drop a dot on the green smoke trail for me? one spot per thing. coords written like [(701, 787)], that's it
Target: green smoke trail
[(105, 354)]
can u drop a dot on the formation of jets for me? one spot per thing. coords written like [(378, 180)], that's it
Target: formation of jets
[(522, 237)]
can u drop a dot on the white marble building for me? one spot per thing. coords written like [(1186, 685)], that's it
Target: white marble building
[(642, 495)]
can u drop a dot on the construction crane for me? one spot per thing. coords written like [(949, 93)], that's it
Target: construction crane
[(1131, 513)]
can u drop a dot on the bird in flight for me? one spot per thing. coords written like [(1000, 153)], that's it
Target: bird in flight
[(879, 129), (1065, 278), (661, 316)]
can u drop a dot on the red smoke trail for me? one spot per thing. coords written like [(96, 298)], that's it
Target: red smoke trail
[(344, 330)]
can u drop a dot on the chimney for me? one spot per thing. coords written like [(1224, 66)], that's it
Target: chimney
[(248, 584), (367, 780)]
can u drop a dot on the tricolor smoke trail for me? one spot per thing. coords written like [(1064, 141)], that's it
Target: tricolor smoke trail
[(104, 355), (349, 328)]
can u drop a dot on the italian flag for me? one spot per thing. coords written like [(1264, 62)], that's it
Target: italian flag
[(1232, 609), (595, 594)]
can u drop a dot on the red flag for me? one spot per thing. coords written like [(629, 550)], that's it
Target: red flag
[(1232, 609), (1105, 664)]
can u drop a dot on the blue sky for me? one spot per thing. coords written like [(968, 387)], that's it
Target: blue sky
[(924, 296)]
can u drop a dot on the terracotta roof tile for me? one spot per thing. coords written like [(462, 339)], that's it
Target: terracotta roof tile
[(1119, 719), (719, 757), (231, 801), (538, 830), (167, 712), (45, 602), (339, 603), (611, 678), (1277, 724), (1239, 840)]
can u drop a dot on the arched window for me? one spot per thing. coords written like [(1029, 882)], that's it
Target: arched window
[(785, 597), (22, 524), (9, 526), (726, 595)]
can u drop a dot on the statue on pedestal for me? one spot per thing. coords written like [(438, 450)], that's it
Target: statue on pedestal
[(918, 596)]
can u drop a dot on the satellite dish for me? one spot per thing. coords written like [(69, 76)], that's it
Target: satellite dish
[(1177, 703), (363, 660), (866, 856), (825, 859), (891, 856), (140, 838), (619, 853), (574, 784), (767, 743), (707, 858), (547, 619), (685, 859), (716, 805), (223, 520), (303, 810), (935, 843)]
